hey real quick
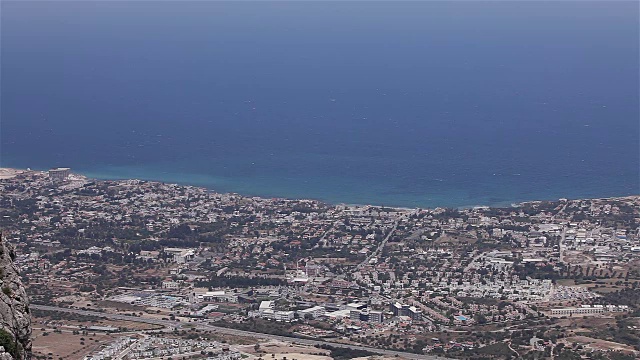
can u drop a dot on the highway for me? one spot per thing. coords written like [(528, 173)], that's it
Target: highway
[(228, 331)]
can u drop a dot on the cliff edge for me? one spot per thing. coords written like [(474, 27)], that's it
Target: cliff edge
[(15, 319)]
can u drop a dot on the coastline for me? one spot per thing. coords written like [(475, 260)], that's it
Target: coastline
[(9, 172)]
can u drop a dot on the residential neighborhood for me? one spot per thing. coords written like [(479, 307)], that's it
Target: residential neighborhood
[(457, 283)]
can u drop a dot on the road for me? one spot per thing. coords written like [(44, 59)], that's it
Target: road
[(223, 330), (379, 249), (562, 246), (322, 239), (472, 262), (512, 349), (564, 231), (122, 355)]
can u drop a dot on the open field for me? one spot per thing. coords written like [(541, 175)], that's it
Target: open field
[(278, 350), (298, 356), (69, 322), (66, 345), (601, 285), (598, 344), (230, 339), (582, 324)]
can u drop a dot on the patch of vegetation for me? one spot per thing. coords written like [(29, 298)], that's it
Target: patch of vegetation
[(568, 354), (261, 326), (244, 282), (9, 344), (630, 297), (338, 353), (622, 332)]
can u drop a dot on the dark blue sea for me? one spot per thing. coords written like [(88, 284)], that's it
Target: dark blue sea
[(416, 104)]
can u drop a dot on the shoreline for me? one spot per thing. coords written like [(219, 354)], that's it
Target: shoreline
[(7, 173)]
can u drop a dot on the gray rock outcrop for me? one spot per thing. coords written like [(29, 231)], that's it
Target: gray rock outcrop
[(15, 318)]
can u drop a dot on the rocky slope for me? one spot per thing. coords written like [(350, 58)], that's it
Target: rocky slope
[(15, 320)]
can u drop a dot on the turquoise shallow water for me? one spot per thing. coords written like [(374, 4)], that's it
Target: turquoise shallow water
[(416, 104), (337, 189)]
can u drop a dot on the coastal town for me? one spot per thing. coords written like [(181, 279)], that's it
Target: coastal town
[(150, 270)]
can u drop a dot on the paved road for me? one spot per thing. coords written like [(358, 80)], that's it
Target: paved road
[(205, 326), (564, 231), (379, 248), (512, 349), (472, 262), (562, 245), (126, 351), (322, 239)]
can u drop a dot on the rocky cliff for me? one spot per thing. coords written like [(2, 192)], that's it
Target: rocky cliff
[(15, 320)]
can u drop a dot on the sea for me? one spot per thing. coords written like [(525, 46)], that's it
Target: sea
[(414, 104)]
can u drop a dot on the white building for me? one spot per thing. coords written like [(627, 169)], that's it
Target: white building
[(586, 310), (314, 312), (376, 316), (285, 316), (171, 285), (214, 296), (180, 256), (277, 315), (59, 174), (266, 305)]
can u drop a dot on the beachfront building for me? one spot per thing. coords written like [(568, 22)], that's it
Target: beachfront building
[(59, 174)]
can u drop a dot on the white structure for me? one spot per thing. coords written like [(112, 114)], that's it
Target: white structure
[(339, 314), (589, 310), (277, 315), (355, 306), (172, 285), (180, 256), (313, 312), (213, 296), (266, 311), (266, 305), (59, 174), (376, 316)]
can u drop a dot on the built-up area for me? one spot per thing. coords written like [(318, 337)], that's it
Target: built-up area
[(461, 283)]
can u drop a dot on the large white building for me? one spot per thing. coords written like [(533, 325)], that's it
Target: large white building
[(266, 305), (213, 296), (59, 174), (366, 315), (180, 256), (313, 312), (171, 285), (405, 310), (589, 310), (278, 315), (376, 316), (266, 311)]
